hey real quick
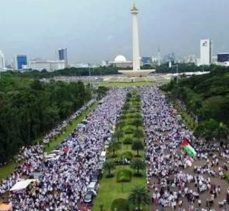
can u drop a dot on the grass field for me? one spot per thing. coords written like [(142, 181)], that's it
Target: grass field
[(9, 168), (125, 84), (188, 120), (69, 129), (109, 188)]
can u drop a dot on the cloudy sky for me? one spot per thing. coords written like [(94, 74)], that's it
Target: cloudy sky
[(95, 30)]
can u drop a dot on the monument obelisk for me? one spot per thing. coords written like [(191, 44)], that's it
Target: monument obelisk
[(136, 54), (136, 72)]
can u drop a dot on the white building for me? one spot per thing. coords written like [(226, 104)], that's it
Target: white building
[(2, 61), (120, 61), (205, 52), (49, 65)]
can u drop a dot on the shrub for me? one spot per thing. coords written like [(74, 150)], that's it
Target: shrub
[(128, 140), (127, 155), (226, 176), (129, 129), (131, 115), (124, 175), (137, 145), (120, 205), (139, 132)]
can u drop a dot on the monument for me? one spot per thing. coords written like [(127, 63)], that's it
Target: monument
[(135, 39), (136, 72)]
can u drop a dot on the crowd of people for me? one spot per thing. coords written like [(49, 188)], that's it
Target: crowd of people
[(63, 181), (60, 128), (175, 180)]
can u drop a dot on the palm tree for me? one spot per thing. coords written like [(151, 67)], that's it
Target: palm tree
[(138, 165), (139, 196), (137, 122), (114, 145), (137, 145), (118, 134), (109, 166)]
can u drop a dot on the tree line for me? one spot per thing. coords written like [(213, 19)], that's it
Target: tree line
[(30, 108), (191, 67), (73, 71), (207, 97)]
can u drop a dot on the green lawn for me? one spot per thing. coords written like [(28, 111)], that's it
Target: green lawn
[(125, 84), (188, 120), (69, 129), (109, 189), (9, 168)]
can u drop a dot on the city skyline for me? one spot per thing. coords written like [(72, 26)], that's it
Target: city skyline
[(172, 26)]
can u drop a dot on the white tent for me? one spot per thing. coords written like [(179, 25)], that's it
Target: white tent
[(23, 184)]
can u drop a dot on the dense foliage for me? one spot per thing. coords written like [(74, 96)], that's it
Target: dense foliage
[(182, 67), (30, 108), (73, 71), (124, 175), (207, 96), (120, 205)]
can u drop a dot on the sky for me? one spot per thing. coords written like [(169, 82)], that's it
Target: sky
[(96, 30)]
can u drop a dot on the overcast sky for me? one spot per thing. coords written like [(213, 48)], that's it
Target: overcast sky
[(95, 30)]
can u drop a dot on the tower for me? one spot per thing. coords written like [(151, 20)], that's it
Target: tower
[(205, 52), (136, 54), (2, 61), (21, 62), (63, 55)]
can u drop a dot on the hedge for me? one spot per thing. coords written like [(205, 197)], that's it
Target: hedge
[(124, 175)]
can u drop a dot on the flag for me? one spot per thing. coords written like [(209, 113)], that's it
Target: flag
[(186, 146)]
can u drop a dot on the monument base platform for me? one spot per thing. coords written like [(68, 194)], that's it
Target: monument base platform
[(136, 73)]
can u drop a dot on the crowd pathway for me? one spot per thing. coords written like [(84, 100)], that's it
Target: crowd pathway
[(176, 181)]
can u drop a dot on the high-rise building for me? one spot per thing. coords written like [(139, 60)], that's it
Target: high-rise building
[(63, 55), (2, 61), (205, 52), (146, 60), (223, 57), (21, 62)]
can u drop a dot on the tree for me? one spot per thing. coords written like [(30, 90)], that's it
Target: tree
[(207, 129), (139, 196), (109, 166), (137, 145), (137, 164), (137, 122), (114, 145), (29, 109), (118, 134), (222, 132)]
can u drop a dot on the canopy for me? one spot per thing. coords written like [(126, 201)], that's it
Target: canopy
[(23, 184), (6, 207)]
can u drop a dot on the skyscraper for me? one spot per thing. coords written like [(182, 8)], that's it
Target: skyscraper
[(205, 52), (21, 62), (63, 55), (2, 61), (136, 53)]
